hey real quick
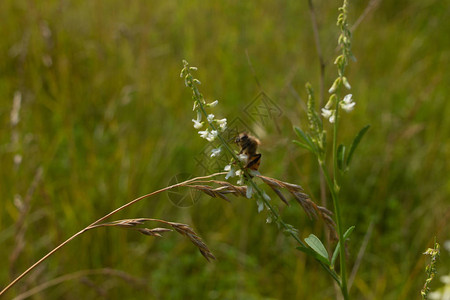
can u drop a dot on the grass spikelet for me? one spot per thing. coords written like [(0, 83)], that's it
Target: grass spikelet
[(222, 191), (310, 208), (182, 229)]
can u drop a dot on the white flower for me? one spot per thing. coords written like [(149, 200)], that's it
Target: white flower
[(249, 191), (211, 136), (212, 104), (197, 124), (335, 85), (231, 172), (347, 103), (240, 181), (210, 118), (267, 197), (215, 152), (222, 123), (332, 118), (238, 172), (243, 157), (260, 206), (346, 83), (204, 134), (348, 98), (329, 114), (326, 113)]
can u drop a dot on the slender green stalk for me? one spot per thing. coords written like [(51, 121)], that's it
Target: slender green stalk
[(335, 195)]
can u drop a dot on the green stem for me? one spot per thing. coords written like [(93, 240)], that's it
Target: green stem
[(334, 189), (285, 226)]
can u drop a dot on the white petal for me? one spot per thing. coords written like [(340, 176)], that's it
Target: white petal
[(204, 134), (348, 98), (215, 152), (346, 83), (197, 124), (326, 113), (230, 174), (260, 206), (332, 118), (243, 157), (222, 121), (348, 107), (249, 191)]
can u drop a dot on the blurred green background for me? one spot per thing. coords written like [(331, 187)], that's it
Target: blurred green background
[(106, 118)]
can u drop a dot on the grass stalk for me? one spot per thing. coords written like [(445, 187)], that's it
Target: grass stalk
[(92, 225)]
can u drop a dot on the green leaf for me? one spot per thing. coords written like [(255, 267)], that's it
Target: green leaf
[(314, 254), (341, 157), (306, 138), (302, 145), (355, 143), (336, 250), (314, 242)]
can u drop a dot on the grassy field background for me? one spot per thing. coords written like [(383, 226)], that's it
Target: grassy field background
[(106, 118)]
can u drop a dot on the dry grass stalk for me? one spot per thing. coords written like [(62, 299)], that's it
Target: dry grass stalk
[(225, 189), (311, 209), (183, 229)]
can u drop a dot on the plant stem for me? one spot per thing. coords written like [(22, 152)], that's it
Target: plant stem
[(285, 226), (334, 189), (98, 221)]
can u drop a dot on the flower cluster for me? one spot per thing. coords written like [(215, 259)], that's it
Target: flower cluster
[(214, 125), (329, 111)]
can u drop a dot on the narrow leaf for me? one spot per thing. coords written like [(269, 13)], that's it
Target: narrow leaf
[(306, 138), (302, 145), (336, 251), (341, 157), (314, 242), (355, 143)]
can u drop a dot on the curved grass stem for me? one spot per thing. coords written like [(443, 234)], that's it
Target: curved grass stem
[(12, 283)]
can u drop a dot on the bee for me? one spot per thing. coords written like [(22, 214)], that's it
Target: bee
[(249, 144)]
